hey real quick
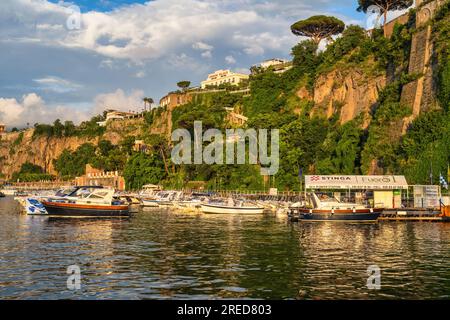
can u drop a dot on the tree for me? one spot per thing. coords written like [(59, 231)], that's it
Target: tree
[(159, 144), (105, 146), (148, 101), (142, 169), (69, 128), (183, 85), (385, 6), (318, 28), (58, 128)]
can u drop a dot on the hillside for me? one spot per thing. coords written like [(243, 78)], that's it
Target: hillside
[(368, 104)]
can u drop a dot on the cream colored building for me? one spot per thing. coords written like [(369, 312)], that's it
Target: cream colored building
[(223, 77), (272, 62), (277, 65)]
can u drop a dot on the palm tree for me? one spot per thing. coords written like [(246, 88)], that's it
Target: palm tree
[(149, 101)]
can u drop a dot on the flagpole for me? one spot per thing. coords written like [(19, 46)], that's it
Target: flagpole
[(431, 172), (300, 173)]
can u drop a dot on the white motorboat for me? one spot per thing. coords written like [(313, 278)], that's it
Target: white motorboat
[(161, 199), (9, 192), (87, 202), (191, 203), (232, 207)]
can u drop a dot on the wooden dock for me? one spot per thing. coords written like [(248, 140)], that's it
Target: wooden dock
[(405, 215), (413, 214)]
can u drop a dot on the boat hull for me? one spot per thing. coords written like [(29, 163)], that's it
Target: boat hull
[(217, 209), (150, 203), (362, 215), (76, 210)]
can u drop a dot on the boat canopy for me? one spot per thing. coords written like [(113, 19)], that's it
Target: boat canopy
[(346, 182), (151, 186)]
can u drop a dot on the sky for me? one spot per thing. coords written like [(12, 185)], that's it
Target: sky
[(72, 60)]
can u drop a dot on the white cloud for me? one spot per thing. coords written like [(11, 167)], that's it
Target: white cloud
[(206, 48), (140, 74), (107, 63), (57, 84), (202, 46), (230, 60), (242, 70), (169, 39), (118, 100), (33, 109), (157, 28), (207, 54)]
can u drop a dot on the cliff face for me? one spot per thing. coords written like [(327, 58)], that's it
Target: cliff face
[(348, 93), (40, 151), (19, 148)]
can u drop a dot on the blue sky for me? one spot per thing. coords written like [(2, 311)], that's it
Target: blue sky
[(58, 63), (101, 5)]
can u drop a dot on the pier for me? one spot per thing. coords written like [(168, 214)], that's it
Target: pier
[(415, 214)]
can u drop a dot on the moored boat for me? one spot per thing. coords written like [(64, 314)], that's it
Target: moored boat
[(325, 208), (97, 203), (231, 208), (161, 199)]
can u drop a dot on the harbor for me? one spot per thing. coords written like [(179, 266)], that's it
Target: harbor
[(225, 150), (166, 254), (325, 198), (168, 244)]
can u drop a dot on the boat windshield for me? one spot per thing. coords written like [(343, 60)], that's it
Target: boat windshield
[(65, 192), (80, 192), (326, 198)]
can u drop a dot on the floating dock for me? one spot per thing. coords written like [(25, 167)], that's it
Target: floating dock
[(406, 214), (414, 215)]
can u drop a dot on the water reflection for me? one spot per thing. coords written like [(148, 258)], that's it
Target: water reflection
[(161, 255)]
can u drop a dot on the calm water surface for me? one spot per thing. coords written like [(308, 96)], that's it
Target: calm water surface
[(163, 255)]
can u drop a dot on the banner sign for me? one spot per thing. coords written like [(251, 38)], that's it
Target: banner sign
[(356, 182), (426, 196)]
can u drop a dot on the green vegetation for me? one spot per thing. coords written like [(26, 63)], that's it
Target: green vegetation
[(312, 139), (318, 28), (104, 156), (30, 173), (86, 129), (143, 169), (183, 85)]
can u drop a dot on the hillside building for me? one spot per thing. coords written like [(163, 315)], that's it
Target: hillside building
[(96, 177), (277, 65), (224, 77), (112, 115), (175, 99)]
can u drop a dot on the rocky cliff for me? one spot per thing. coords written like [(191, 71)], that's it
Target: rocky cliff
[(348, 92), (18, 148)]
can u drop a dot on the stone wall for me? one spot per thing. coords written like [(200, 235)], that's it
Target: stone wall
[(403, 19), (420, 94)]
